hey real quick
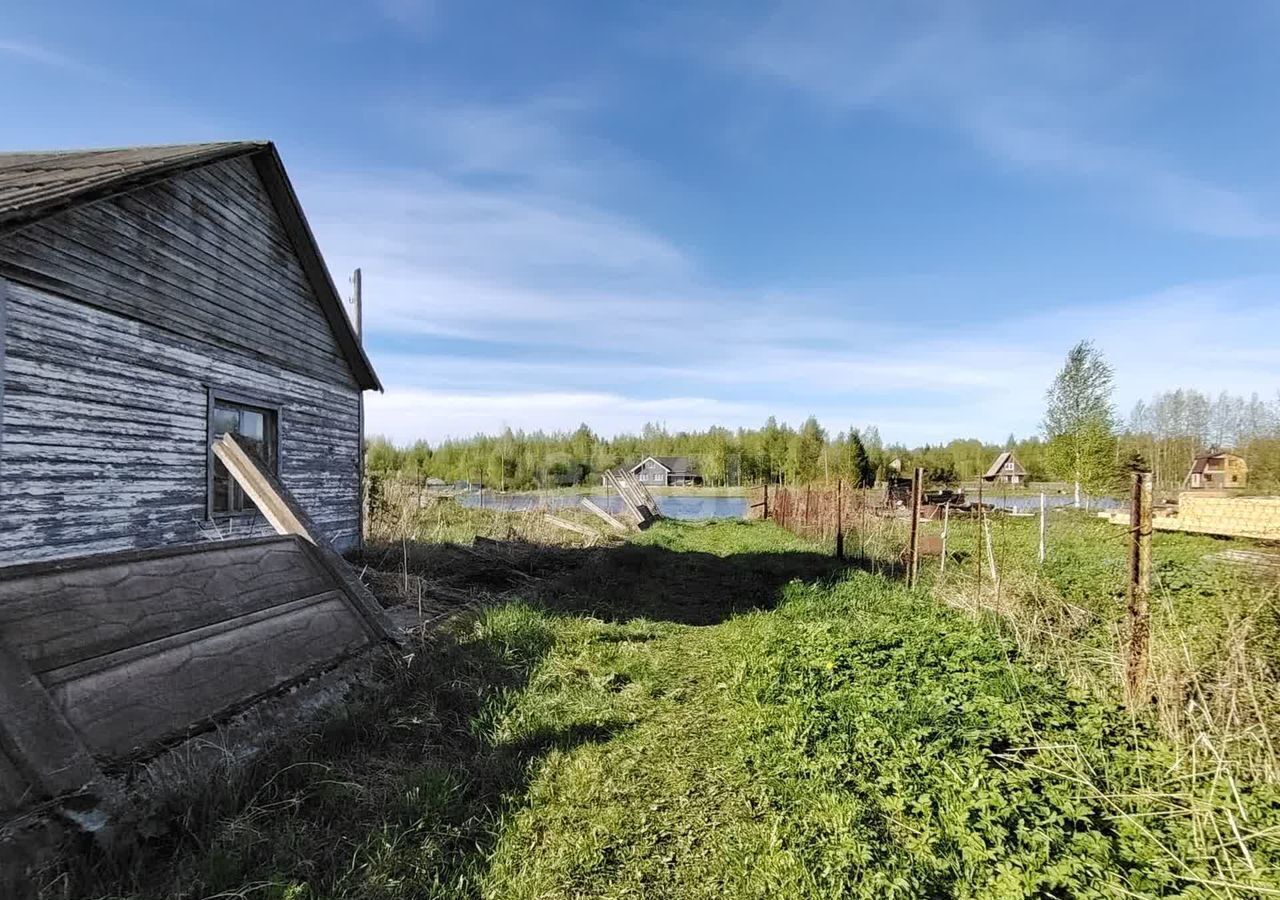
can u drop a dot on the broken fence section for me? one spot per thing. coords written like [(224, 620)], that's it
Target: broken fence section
[(636, 499)]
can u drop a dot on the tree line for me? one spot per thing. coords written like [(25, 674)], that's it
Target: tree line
[(1083, 441)]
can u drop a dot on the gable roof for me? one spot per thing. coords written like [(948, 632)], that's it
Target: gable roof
[(675, 465), (1003, 458), (37, 185), (1200, 463)]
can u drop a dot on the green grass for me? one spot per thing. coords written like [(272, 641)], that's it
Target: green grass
[(844, 738), (1215, 630)]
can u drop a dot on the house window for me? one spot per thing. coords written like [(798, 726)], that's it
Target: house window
[(256, 428)]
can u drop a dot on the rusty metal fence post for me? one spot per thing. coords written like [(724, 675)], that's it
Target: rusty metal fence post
[(839, 519)]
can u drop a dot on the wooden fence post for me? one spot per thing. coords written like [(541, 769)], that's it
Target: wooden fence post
[(862, 527), (991, 556), (766, 499), (839, 519), (978, 555), (946, 523), (913, 558), (1139, 587), (1042, 527)]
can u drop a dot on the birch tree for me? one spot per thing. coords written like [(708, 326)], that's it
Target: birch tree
[(1079, 421)]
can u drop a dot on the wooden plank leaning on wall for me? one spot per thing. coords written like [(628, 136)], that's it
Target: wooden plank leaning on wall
[(287, 516)]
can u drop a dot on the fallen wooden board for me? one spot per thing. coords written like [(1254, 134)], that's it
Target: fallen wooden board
[(1192, 526), (572, 526), (1257, 561), (603, 514)]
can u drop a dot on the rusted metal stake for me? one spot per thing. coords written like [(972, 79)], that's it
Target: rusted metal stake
[(839, 519), (1139, 588)]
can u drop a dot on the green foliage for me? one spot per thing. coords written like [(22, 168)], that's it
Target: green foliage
[(515, 460), (804, 455), (1168, 431), (1173, 426), (861, 470), (1079, 421)]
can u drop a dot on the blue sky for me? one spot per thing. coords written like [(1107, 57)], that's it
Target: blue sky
[(895, 213)]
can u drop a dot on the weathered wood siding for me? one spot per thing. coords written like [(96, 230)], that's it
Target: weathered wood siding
[(202, 255), (122, 315), (106, 433), (652, 473)]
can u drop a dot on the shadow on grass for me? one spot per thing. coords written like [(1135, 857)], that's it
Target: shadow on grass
[(402, 792), (691, 588), (615, 583), (404, 786)]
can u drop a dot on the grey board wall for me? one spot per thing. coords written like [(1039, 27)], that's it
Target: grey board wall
[(106, 433), (122, 315)]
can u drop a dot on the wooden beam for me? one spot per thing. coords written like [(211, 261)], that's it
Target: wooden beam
[(572, 526), (36, 736), (287, 516), (271, 497), (616, 483), (613, 523)]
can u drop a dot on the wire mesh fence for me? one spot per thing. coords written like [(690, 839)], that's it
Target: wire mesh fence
[(1190, 632)]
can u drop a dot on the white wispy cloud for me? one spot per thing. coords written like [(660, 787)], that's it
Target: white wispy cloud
[(30, 52), (1043, 98), (409, 415), (529, 302), (418, 16)]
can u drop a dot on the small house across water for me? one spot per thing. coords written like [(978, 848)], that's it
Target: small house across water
[(666, 471), (1006, 470)]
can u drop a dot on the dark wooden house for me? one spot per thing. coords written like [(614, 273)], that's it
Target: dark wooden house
[(666, 470), (1006, 470), (152, 299)]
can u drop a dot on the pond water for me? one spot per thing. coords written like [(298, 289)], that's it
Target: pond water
[(694, 508), (1031, 502), (679, 507)]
